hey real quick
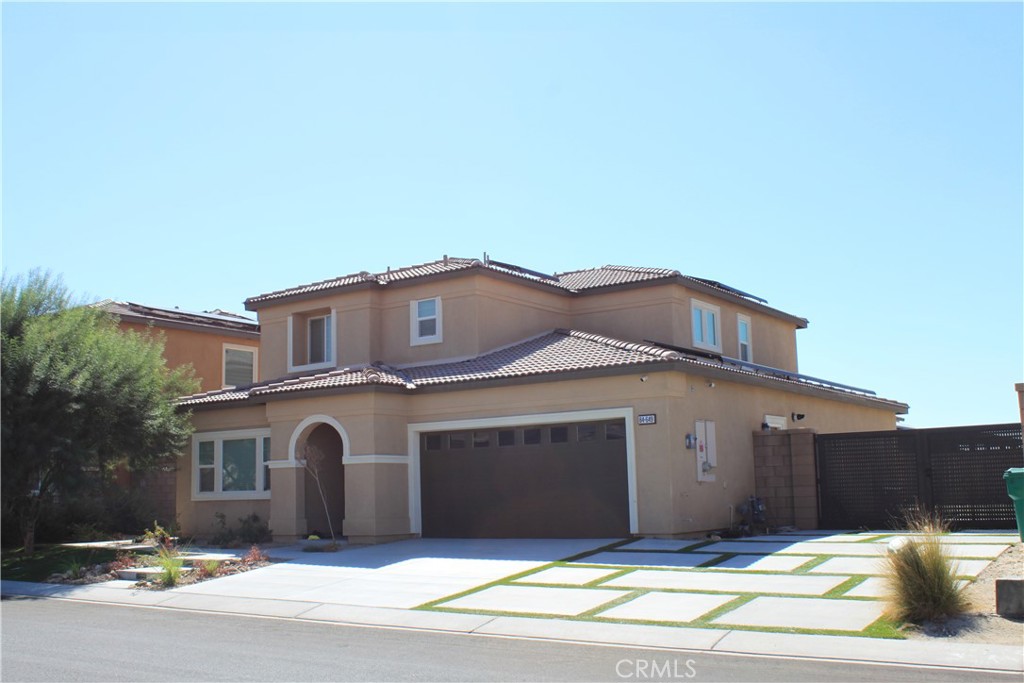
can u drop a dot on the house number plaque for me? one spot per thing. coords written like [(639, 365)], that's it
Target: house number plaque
[(646, 419)]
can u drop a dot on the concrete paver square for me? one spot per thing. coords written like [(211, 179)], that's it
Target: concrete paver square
[(576, 576), (750, 547), (761, 563), (808, 613), (822, 548), (533, 600), (875, 566), (851, 565), (660, 544), (640, 559), (875, 587), (729, 582), (989, 551), (668, 606)]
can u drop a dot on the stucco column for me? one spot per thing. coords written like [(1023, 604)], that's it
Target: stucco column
[(287, 501), (376, 500)]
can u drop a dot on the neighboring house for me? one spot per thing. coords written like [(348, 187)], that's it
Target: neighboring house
[(465, 398), (223, 350)]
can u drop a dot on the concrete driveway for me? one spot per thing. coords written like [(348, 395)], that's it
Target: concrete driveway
[(398, 575), (802, 595)]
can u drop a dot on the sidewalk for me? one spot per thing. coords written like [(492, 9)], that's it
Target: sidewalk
[(494, 588)]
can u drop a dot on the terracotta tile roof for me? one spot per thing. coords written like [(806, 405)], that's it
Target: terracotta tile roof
[(558, 351), (573, 282), (554, 352), (605, 276)]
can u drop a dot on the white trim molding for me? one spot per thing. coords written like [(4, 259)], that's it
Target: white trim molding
[(703, 310), (375, 459), (254, 350), (312, 420), (331, 362), (218, 438), (414, 323), (415, 429)]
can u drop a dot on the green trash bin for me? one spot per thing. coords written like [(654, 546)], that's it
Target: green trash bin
[(1015, 489)]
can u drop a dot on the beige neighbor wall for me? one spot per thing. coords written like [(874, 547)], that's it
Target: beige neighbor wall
[(198, 517)]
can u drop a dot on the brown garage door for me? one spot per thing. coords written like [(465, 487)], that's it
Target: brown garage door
[(538, 481)]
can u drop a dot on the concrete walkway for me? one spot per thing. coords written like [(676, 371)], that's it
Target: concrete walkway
[(586, 591)]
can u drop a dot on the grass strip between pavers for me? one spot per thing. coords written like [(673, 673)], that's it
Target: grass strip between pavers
[(852, 582), (881, 628), (811, 564)]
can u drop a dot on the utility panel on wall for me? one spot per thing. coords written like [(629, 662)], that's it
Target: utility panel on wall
[(707, 459)]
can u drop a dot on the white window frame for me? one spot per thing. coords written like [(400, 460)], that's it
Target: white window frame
[(254, 350), (705, 309), (218, 439), (414, 323), (327, 338), (775, 421), (332, 348), (740, 320)]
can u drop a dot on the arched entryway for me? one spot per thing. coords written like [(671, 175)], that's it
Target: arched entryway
[(321, 451)]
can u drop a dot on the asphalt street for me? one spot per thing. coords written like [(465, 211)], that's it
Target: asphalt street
[(56, 640)]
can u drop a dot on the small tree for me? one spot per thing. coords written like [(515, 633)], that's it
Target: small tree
[(313, 460), (77, 394)]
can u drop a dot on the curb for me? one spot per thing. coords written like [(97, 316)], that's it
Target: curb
[(973, 656)]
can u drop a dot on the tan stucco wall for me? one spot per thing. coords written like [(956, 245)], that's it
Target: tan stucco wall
[(670, 499), (204, 350), (481, 313), (198, 517)]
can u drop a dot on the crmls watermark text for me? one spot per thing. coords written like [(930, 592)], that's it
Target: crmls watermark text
[(655, 669)]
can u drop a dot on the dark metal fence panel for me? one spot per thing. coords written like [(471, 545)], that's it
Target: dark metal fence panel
[(864, 480), (867, 479), (967, 466)]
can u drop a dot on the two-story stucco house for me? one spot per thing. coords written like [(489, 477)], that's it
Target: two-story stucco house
[(466, 398)]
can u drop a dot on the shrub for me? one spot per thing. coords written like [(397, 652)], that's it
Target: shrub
[(254, 556), (208, 569), (922, 582), (170, 561)]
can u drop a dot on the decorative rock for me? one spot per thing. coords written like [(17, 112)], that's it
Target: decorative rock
[(897, 544)]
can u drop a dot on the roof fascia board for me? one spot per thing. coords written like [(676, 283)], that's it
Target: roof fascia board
[(683, 366), (178, 325)]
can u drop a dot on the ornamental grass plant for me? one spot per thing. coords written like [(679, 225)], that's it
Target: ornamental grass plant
[(922, 583)]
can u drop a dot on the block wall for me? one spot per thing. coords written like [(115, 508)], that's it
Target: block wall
[(784, 477)]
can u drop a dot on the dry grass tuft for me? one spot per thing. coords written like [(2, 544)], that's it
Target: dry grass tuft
[(922, 583)]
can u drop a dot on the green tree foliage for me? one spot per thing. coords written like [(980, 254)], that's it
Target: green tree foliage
[(78, 395)]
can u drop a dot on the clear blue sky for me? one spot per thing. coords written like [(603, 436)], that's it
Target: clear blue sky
[(859, 165)]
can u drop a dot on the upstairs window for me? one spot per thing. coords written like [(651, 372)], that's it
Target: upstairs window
[(239, 366), (707, 333), (311, 343), (743, 332), (318, 332), (425, 321)]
